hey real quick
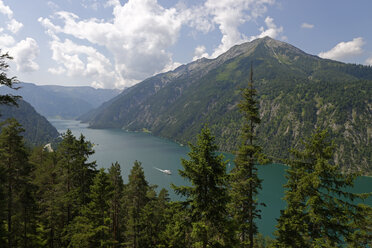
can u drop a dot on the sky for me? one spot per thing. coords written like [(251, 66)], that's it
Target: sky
[(116, 43)]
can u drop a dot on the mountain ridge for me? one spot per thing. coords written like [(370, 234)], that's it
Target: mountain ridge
[(297, 92), (38, 130), (68, 102)]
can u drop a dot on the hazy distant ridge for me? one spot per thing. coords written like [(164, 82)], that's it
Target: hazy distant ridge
[(62, 101)]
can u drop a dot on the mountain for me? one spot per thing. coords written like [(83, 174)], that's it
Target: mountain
[(61, 101), (38, 130), (297, 92)]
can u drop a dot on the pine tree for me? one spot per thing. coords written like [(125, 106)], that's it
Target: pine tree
[(46, 179), (245, 182), (320, 211), (75, 172), (116, 208), (207, 196), (19, 192), (135, 199)]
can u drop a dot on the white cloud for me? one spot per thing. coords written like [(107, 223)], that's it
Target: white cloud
[(200, 52), (77, 60), (228, 15), (369, 61), (14, 26), (307, 25), (272, 30), (24, 53), (6, 41), (137, 37), (5, 10), (58, 71), (344, 50)]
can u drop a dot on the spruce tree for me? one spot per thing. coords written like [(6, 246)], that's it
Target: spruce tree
[(19, 191), (46, 179), (116, 209), (320, 211), (245, 182), (207, 196), (136, 199)]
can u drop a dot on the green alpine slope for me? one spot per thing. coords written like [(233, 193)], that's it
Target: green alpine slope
[(297, 93), (38, 130)]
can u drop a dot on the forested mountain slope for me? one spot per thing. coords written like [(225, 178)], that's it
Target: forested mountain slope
[(297, 92), (65, 102), (38, 130)]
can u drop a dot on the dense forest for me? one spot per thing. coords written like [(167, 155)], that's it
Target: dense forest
[(59, 199)]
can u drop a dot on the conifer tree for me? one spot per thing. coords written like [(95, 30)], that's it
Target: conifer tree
[(245, 182), (19, 191), (75, 172), (116, 209), (320, 211), (135, 199), (46, 179), (207, 196), (91, 228)]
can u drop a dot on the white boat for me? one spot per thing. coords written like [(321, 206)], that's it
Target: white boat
[(168, 172)]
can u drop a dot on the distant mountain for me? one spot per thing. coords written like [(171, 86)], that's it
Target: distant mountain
[(38, 129), (297, 91), (62, 101)]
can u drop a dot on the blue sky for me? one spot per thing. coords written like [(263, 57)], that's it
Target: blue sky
[(115, 44)]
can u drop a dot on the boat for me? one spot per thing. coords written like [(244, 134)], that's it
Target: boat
[(168, 172)]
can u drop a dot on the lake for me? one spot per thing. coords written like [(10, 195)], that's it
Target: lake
[(113, 145)]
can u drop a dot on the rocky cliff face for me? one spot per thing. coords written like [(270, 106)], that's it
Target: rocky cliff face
[(298, 92)]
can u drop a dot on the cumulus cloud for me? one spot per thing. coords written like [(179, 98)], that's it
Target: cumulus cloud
[(24, 53), (137, 37), (228, 15), (307, 25), (78, 60), (6, 41), (272, 30), (344, 50), (5, 9), (200, 52), (14, 26)]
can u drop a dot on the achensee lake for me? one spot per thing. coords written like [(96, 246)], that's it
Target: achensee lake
[(113, 145)]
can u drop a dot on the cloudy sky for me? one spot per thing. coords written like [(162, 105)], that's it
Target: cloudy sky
[(115, 44)]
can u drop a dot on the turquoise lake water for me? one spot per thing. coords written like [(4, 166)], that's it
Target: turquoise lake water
[(112, 145)]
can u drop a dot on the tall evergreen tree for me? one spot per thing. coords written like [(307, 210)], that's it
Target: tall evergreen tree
[(320, 211), (19, 193), (207, 196), (245, 182), (116, 209), (75, 172), (91, 228), (135, 199), (46, 179)]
